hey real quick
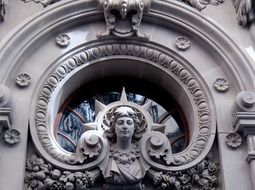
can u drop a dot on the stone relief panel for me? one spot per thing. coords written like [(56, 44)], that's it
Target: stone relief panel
[(205, 124), (128, 129)]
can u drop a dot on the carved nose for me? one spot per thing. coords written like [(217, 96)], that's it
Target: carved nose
[(125, 125)]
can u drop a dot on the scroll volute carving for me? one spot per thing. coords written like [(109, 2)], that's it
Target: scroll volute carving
[(128, 129)]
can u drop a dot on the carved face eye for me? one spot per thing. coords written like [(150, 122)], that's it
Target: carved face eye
[(130, 122), (120, 122)]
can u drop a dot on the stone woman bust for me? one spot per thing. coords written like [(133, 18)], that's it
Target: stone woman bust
[(124, 168)]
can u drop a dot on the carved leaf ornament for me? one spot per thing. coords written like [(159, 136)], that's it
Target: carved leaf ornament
[(151, 149)]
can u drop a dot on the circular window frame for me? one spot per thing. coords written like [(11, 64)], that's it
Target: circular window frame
[(110, 58)]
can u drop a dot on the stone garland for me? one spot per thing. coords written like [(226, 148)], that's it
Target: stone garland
[(189, 82), (203, 176), (42, 175)]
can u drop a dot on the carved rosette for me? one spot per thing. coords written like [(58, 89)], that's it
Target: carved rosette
[(63, 40), (221, 85), (182, 43), (23, 80), (12, 136), (205, 126), (234, 140)]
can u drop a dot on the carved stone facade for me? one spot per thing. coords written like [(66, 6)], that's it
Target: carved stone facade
[(153, 94)]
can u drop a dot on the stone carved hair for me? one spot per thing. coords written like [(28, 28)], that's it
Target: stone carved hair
[(123, 111)]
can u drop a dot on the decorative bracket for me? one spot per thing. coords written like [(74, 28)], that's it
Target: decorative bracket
[(11, 136), (123, 17), (244, 120)]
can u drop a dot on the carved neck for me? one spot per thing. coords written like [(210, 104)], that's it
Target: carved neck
[(123, 144)]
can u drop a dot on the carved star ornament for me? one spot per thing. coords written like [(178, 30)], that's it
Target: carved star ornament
[(104, 113)]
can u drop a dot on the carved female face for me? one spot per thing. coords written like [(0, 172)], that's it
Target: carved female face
[(124, 127)]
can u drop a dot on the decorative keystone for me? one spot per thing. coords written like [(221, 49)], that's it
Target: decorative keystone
[(123, 17)]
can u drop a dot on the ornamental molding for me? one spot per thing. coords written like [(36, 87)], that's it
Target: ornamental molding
[(204, 129), (65, 12), (233, 140)]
